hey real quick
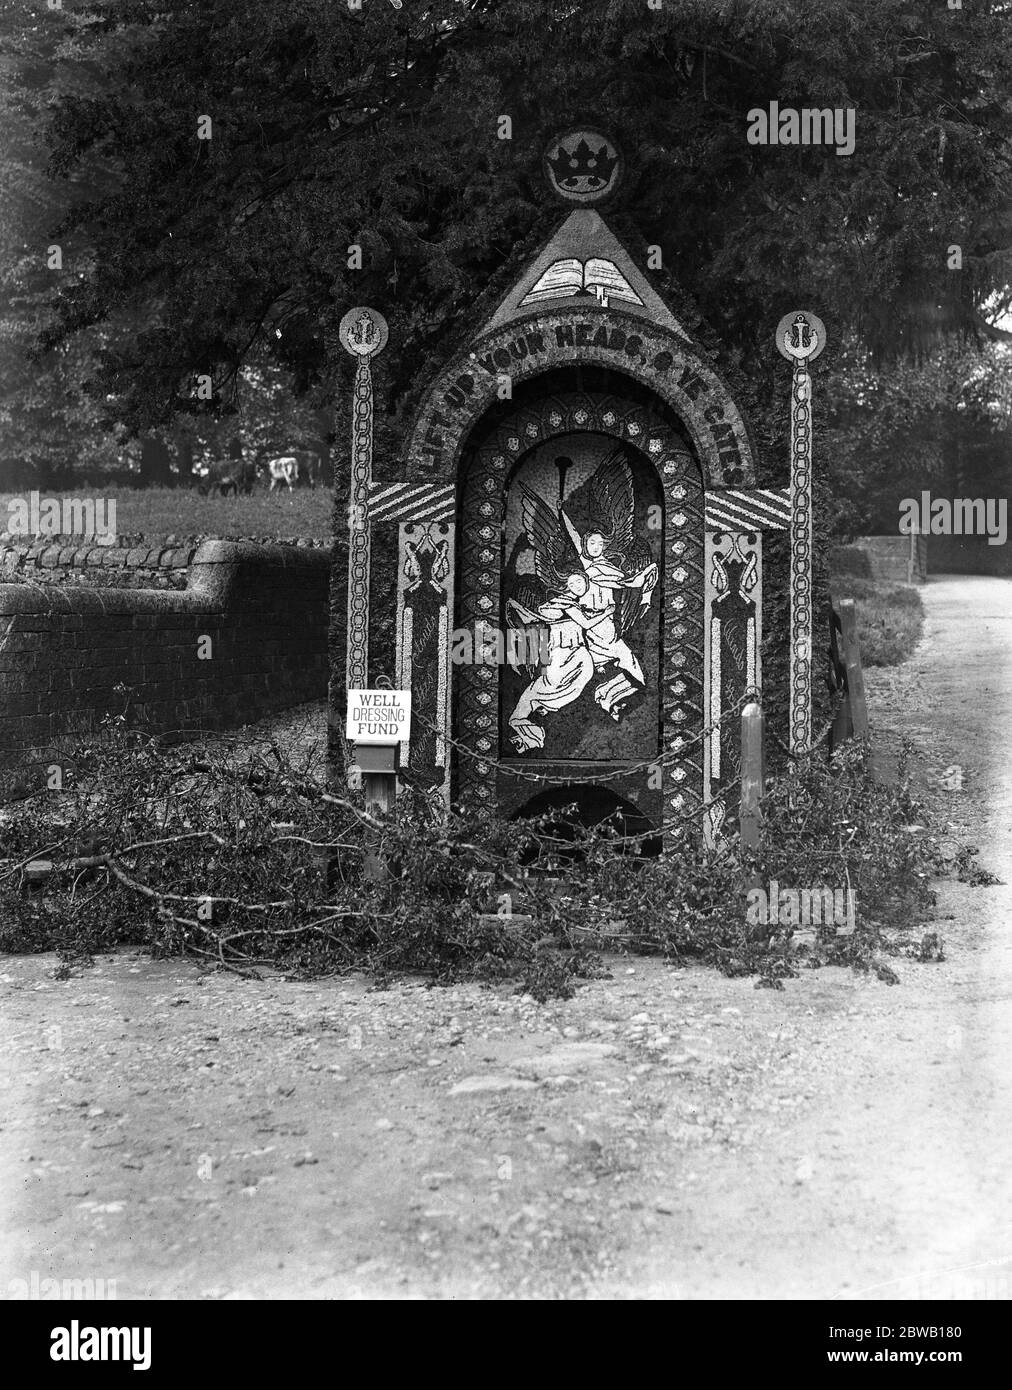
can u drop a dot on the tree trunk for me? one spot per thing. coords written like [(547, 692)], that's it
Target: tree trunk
[(156, 462), (323, 464), (184, 461)]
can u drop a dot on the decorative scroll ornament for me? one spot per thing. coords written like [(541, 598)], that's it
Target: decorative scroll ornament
[(424, 615), (800, 338), (364, 334), (733, 665)]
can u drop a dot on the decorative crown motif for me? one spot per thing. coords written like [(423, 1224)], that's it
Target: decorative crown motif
[(583, 169), (582, 165)]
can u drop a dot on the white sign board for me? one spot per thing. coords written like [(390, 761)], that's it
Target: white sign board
[(378, 716)]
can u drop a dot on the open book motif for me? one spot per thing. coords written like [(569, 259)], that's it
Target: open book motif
[(598, 277)]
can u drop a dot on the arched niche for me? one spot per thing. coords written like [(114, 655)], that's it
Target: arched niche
[(652, 753)]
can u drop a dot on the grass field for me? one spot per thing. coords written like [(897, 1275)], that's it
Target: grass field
[(889, 618), (154, 513)]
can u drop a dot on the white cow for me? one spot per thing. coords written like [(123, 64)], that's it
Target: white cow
[(283, 470)]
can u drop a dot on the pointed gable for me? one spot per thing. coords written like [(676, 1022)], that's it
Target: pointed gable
[(584, 263)]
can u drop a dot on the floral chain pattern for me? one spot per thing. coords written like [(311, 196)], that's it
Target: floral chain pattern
[(801, 560), (359, 548)]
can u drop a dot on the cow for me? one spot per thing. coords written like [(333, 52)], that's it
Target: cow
[(240, 478), (290, 472), (228, 479)]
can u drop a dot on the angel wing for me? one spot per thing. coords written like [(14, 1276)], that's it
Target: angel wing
[(526, 631), (613, 503), (547, 538), (630, 610)]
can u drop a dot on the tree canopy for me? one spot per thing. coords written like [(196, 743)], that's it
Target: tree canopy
[(380, 127)]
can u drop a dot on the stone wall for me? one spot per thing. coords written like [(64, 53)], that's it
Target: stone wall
[(889, 557), (155, 565), (70, 655)]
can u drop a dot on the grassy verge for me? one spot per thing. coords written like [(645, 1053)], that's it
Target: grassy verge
[(890, 617), (158, 512)]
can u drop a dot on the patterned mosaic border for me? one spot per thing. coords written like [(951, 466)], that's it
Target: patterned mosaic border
[(762, 509)]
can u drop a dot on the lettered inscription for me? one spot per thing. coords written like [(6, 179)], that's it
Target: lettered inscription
[(537, 344)]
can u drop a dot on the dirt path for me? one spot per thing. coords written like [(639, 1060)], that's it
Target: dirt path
[(666, 1133)]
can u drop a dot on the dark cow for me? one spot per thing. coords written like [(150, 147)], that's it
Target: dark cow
[(229, 480)]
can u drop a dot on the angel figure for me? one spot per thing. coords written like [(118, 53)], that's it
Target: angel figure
[(568, 665), (608, 554), (607, 573)]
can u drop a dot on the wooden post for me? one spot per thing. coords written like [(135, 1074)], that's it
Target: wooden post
[(378, 763), (753, 774), (855, 675), (842, 729)]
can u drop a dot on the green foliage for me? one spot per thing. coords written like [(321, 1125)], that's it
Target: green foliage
[(969, 872), (379, 128), (940, 422), (842, 828), (236, 855)]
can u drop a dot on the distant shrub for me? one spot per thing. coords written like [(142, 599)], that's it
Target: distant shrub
[(850, 560), (890, 618)]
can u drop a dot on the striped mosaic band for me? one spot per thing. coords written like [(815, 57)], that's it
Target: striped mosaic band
[(411, 502), (764, 509)]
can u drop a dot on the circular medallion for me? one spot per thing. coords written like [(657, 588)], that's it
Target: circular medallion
[(363, 332), (583, 166), (801, 336)]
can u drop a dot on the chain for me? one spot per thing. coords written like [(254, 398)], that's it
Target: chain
[(359, 541), (801, 558), (674, 755)]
